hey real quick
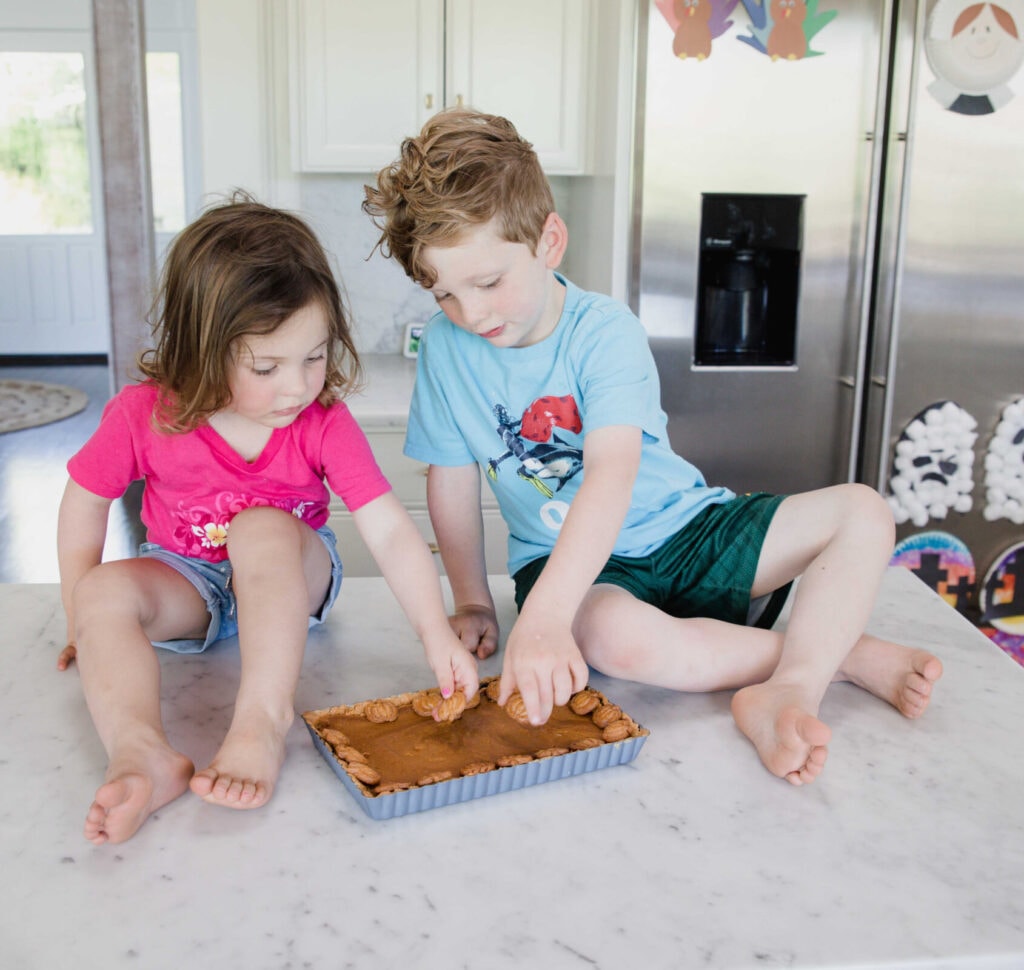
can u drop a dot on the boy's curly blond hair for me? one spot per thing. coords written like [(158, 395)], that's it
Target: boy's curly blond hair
[(462, 170)]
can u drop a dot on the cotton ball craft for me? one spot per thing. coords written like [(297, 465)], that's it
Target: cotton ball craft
[(933, 465), (1004, 467)]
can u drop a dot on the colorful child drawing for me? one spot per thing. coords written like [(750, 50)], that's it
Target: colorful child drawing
[(782, 29), (695, 24)]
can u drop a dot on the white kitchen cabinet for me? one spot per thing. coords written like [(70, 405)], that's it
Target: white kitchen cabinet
[(363, 75), (409, 482)]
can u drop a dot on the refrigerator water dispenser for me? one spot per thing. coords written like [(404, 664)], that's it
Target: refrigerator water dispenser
[(748, 281)]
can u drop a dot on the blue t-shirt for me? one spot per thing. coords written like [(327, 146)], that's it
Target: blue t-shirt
[(521, 414)]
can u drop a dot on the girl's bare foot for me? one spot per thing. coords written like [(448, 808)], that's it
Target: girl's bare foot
[(900, 675), (134, 789), (790, 741), (245, 769)]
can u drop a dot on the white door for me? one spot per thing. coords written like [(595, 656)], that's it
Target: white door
[(53, 287), (53, 280)]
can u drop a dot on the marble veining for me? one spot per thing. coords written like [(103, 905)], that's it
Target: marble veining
[(383, 401), (906, 853)]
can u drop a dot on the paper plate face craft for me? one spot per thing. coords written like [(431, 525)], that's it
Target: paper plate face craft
[(974, 51), (1001, 597)]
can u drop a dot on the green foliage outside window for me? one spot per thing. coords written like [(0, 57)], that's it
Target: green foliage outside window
[(44, 159)]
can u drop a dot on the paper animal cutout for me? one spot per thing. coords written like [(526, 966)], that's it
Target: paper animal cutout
[(783, 30), (695, 24), (933, 465)]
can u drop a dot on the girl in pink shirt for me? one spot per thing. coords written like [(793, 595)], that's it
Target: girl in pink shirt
[(237, 432)]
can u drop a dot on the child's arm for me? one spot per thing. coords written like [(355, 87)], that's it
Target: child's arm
[(453, 497), (542, 659), (81, 532), (407, 565)]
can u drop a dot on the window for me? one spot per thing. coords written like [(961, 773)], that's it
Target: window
[(166, 149), (44, 157)]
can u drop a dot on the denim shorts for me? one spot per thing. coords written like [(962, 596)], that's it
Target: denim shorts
[(212, 581), (706, 569)]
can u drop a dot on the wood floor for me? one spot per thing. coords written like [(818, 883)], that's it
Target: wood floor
[(33, 474)]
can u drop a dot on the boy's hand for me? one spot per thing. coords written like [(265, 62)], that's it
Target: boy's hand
[(477, 628), (67, 656), (453, 665), (545, 666)]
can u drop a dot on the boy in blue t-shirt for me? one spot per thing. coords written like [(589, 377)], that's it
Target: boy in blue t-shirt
[(623, 557)]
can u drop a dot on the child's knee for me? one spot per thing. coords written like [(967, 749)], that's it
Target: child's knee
[(262, 526), (102, 592), (870, 511)]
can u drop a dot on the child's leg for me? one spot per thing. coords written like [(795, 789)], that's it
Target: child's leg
[(119, 608), (839, 540), (624, 637), (281, 573)]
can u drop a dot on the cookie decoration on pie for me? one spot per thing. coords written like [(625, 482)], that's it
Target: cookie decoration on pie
[(515, 708), (616, 731), (605, 714), (478, 768), (390, 749), (451, 708), (584, 702), (381, 711)]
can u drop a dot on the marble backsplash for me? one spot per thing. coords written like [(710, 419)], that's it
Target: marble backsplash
[(381, 298)]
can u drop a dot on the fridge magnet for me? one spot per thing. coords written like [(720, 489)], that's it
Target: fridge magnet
[(1004, 467), (942, 562), (695, 24), (783, 29), (933, 465), (411, 344), (974, 51), (1001, 600)]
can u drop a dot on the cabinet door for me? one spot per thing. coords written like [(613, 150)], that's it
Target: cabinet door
[(526, 61), (363, 76)]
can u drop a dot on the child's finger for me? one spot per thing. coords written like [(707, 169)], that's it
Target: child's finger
[(538, 696), (67, 657), (467, 677), (445, 678), (487, 644), (508, 684)]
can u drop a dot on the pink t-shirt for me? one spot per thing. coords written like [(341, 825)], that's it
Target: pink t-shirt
[(195, 482)]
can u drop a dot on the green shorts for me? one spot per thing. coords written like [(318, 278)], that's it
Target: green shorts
[(706, 569)]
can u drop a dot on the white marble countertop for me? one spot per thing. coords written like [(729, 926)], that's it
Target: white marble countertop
[(908, 852), (384, 400)]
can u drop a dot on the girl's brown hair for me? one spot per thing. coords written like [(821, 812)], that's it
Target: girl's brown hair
[(241, 268), (464, 169)]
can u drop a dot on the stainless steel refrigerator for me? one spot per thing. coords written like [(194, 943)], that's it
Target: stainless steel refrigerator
[(828, 250)]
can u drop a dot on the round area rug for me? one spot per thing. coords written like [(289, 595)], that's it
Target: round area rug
[(27, 404)]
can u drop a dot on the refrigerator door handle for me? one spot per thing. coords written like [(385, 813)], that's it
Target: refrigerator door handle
[(907, 45), (869, 255)]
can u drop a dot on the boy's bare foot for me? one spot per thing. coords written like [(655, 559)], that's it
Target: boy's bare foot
[(245, 769), (132, 792), (900, 675), (789, 740)]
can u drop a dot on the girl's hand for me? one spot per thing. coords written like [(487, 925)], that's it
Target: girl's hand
[(454, 666), (477, 628), (67, 656)]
